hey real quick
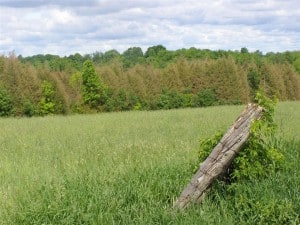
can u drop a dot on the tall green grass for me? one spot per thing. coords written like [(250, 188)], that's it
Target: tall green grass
[(128, 168)]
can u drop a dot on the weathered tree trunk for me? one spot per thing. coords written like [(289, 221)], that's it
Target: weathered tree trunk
[(220, 158)]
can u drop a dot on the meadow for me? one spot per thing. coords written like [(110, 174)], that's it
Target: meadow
[(129, 168)]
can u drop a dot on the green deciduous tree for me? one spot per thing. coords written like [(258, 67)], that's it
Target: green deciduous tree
[(158, 56), (47, 105), (93, 90), (154, 50), (132, 56), (110, 55)]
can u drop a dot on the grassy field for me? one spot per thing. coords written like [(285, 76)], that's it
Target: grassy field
[(128, 168)]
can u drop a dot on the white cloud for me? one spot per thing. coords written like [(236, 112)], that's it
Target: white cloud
[(65, 27)]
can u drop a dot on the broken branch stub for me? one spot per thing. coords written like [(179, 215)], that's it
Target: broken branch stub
[(220, 158)]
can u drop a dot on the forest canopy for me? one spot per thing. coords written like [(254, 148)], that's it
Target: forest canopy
[(135, 80)]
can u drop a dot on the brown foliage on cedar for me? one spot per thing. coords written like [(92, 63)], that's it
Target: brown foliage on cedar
[(226, 77)]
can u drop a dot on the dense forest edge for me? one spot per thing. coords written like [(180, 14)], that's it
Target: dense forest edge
[(134, 80)]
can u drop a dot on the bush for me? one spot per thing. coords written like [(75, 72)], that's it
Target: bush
[(261, 155), (172, 100), (28, 108), (6, 103), (204, 98)]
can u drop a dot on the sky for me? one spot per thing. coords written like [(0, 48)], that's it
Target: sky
[(65, 27)]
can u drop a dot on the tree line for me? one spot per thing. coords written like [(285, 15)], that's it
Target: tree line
[(134, 80)]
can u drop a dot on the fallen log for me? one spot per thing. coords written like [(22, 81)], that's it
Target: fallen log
[(220, 158)]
